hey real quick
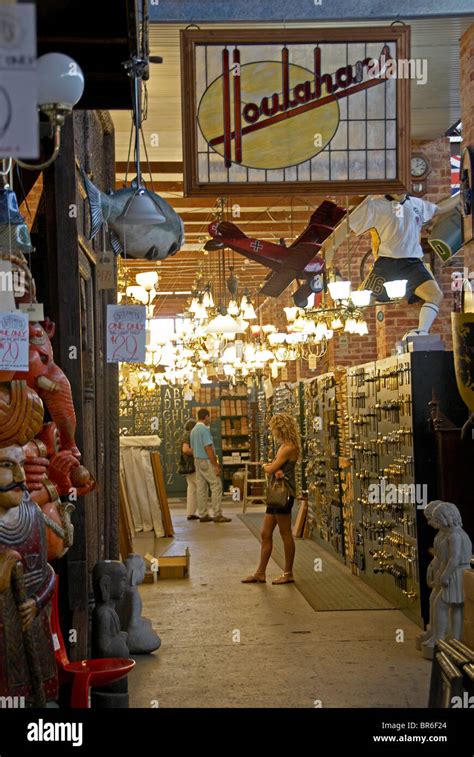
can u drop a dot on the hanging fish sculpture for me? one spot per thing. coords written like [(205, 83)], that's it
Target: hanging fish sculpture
[(153, 242)]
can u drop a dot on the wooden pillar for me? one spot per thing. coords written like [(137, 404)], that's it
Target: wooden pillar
[(63, 279)]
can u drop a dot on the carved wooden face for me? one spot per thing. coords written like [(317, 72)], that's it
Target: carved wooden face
[(12, 474)]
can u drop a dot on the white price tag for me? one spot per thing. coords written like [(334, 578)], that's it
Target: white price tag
[(14, 341), (105, 271), (34, 311), (126, 333)]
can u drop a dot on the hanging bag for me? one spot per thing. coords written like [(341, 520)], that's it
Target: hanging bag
[(278, 491), (186, 462)]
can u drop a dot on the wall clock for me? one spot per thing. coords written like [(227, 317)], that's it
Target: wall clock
[(419, 170)]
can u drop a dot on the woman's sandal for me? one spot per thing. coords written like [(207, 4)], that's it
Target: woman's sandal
[(284, 579), (253, 579)]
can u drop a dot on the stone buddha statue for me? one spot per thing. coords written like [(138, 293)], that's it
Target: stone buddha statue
[(109, 579), (27, 581), (142, 639)]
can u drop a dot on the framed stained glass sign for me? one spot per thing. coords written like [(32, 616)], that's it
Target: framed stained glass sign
[(296, 110)]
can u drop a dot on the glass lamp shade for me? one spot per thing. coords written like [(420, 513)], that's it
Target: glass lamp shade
[(60, 80), (243, 324), (336, 323), (200, 313), (264, 356), (351, 326), (277, 338), (243, 302), (299, 324), (223, 324), (140, 210), (233, 308), (396, 289), (255, 329), (138, 293), (361, 297), (339, 290), (249, 313), (291, 313), (309, 327), (194, 305), (269, 328), (230, 355), (295, 337), (362, 328), (207, 300), (147, 279)]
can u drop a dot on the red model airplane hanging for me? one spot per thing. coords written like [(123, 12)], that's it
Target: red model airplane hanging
[(298, 261)]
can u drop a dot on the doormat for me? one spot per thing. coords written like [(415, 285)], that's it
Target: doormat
[(331, 589)]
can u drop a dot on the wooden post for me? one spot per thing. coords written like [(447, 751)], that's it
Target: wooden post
[(64, 298)]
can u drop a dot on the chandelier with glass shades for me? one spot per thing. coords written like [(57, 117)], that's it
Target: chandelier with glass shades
[(224, 343)]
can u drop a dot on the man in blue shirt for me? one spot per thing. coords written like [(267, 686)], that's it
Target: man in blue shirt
[(207, 469)]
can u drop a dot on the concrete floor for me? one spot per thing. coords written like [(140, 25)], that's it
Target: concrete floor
[(228, 644)]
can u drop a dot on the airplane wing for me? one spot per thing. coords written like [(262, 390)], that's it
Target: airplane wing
[(292, 268), (321, 224), (277, 283)]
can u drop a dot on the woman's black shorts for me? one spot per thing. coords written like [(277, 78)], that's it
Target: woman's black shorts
[(271, 510)]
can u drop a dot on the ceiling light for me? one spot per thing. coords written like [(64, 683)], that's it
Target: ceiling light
[(138, 293), (224, 324), (233, 308), (249, 312), (351, 326), (291, 313), (396, 289), (147, 279), (361, 297), (339, 290)]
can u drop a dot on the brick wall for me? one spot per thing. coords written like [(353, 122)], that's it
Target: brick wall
[(467, 111)]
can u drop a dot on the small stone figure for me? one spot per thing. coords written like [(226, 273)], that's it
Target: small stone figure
[(142, 639), (453, 549), (109, 579), (431, 570)]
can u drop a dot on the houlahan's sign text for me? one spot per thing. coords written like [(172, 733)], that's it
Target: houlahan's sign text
[(233, 112)]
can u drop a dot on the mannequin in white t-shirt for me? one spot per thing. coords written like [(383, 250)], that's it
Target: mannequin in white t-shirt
[(395, 222)]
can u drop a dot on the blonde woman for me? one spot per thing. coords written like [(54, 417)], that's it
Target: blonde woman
[(285, 433)]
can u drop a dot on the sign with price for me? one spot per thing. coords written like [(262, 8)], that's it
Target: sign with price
[(19, 84), (126, 333), (14, 341)]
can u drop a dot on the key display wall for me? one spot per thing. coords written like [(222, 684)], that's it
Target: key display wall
[(322, 463), (395, 468), (371, 467)]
